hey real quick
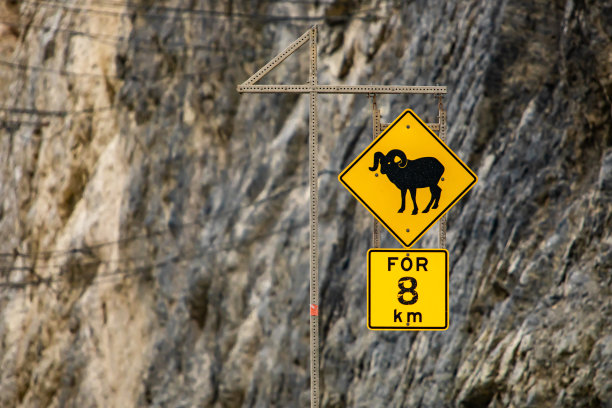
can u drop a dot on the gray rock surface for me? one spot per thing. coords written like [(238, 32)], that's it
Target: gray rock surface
[(154, 231)]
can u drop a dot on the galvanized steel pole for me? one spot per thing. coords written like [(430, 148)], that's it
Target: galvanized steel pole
[(313, 146), (375, 132), (442, 133)]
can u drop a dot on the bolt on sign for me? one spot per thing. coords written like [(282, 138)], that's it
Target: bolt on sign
[(407, 289), (408, 178)]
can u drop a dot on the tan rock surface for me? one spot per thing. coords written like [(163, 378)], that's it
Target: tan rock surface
[(154, 231)]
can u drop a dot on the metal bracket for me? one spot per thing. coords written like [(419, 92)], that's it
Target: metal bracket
[(278, 59), (432, 126)]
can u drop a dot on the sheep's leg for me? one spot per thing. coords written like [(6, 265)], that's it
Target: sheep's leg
[(435, 192), (430, 201), (435, 197), (403, 207), (413, 196)]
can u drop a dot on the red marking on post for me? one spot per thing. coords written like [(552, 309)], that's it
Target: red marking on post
[(314, 310)]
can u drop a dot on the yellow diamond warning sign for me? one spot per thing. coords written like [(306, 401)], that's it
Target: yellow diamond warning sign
[(408, 178), (407, 289)]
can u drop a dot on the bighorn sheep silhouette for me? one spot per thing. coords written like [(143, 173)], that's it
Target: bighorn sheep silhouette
[(408, 175)]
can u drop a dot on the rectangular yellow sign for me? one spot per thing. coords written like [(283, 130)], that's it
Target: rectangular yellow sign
[(407, 289)]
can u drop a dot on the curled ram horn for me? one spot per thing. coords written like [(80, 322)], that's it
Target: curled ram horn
[(378, 156), (402, 156)]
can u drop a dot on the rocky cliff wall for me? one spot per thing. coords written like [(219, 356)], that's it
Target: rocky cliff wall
[(154, 223)]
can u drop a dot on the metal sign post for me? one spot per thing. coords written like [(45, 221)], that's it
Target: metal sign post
[(442, 135), (375, 133), (313, 147), (313, 89)]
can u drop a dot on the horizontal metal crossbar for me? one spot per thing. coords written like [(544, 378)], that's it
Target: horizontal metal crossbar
[(343, 89), (432, 126)]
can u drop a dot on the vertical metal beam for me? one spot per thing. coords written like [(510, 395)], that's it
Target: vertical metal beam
[(375, 132), (314, 225), (442, 133)]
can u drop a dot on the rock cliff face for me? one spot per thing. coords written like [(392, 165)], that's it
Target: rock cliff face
[(154, 222)]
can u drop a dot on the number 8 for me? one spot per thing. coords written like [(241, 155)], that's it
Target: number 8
[(411, 290)]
